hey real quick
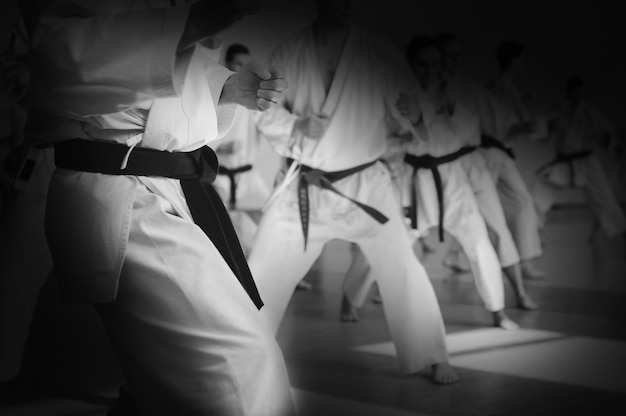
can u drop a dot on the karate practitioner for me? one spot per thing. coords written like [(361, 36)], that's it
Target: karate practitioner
[(439, 190), (494, 183), (238, 183), (343, 81), (130, 94), (578, 129), (516, 199), (531, 126)]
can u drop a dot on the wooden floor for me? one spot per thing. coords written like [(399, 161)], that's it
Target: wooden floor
[(568, 359)]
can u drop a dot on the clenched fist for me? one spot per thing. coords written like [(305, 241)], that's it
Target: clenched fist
[(255, 87)]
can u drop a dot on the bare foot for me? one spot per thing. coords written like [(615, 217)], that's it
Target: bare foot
[(443, 373), (526, 303), (501, 320), (348, 312), (303, 285)]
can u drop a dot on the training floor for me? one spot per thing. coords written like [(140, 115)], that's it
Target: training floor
[(569, 357)]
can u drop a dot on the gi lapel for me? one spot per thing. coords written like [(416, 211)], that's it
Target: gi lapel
[(341, 75)]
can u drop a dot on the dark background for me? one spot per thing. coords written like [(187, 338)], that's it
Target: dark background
[(575, 37)]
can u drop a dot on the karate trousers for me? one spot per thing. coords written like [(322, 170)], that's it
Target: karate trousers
[(462, 220), (188, 337), (278, 260), (517, 203), (490, 206)]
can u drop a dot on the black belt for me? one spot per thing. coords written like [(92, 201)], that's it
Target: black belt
[(231, 173), (312, 176), (568, 158), (487, 142), (196, 171), (431, 162)]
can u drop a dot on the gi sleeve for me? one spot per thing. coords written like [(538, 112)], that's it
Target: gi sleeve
[(110, 51)]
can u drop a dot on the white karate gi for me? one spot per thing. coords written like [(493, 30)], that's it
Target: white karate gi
[(461, 216), (494, 120), (189, 339), (239, 148), (365, 85), (578, 129)]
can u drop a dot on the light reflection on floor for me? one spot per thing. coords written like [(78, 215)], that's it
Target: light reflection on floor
[(540, 355)]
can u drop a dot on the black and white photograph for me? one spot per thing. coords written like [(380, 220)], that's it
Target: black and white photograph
[(312, 208)]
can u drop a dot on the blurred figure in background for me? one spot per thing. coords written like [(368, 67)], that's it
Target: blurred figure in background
[(439, 188), (499, 124), (577, 130), (497, 184)]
